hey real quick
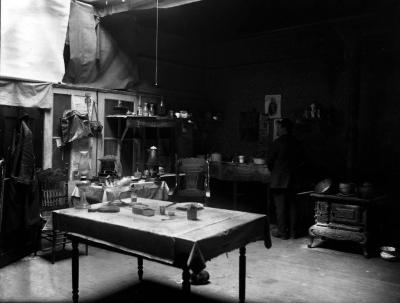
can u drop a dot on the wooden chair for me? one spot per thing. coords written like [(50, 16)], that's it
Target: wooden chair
[(192, 181), (53, 193)]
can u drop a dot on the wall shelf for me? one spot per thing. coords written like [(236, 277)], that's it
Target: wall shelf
[(142, 122)]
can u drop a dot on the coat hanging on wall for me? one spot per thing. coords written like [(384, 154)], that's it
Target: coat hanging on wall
[(74, 126)]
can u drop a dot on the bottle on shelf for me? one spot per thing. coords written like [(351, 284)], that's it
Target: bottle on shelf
[(140, 108), (161, 107), (145, 109)]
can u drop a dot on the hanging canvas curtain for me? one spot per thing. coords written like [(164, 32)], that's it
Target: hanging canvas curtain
[(95, 58), (26, 94), (32, 39), (116, 6)]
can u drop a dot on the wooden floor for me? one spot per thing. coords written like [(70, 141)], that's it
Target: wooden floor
[(288, 272)]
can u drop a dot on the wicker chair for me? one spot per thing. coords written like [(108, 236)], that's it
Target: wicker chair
[(53, 191), (192, 181)]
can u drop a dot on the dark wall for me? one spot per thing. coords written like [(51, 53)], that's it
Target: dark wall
[(349, 70), (300, 66), (180, 62)]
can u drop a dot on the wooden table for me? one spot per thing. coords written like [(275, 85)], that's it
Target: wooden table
[(175, 241), (239, 172)]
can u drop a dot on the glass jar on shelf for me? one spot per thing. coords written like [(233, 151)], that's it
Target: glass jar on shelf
[(139, 110), (151, 110)]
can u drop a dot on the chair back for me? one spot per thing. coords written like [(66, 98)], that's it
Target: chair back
[(53, 185), (195, 181)]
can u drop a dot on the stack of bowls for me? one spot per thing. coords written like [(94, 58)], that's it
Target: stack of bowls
[(389, 253)]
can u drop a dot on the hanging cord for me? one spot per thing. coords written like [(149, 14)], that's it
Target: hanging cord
[(156, 71), (97, 115)]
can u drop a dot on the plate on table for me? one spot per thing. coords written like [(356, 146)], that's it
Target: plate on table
[(185, 206), (135, 179), (118, 203)]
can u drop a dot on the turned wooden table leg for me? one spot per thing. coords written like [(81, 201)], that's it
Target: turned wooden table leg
[(53, 246), (242, 274), (75, 271), (310, 241), (186, 280), (140, 268)]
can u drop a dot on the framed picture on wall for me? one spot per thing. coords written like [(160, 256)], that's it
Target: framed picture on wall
[(273, 106)]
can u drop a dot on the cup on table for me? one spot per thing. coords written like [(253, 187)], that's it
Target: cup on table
[(162, 210), (192, 212), (241, 159), (133, 197)]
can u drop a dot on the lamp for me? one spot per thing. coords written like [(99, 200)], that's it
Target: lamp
[(152, 161), (83, 184)]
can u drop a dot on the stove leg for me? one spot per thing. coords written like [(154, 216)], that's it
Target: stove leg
[(310, 241), (365, 250)]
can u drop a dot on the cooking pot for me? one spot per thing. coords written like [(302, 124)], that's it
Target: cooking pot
[(346, 188), (366, 190), (323, 186), (216, 157)]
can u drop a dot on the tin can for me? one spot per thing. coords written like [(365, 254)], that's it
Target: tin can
[(162, 210), (192, 212), (133, 197)]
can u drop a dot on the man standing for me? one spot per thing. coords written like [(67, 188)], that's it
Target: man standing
[(284, 161)]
